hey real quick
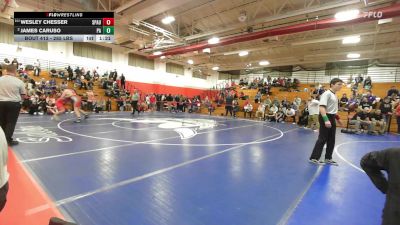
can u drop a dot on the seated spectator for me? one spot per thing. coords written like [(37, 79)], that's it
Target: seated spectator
[(297, 101), (279, 116), (372, 99), (260, 112), (291, 113), (276, 102), (248, 108), (392, 90), (268, 101), (343, 101), (378, 120), (361, 118), (365, 104), (257, 98), (271, 113)]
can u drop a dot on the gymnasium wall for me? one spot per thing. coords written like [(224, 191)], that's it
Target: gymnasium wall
[(60, 55)]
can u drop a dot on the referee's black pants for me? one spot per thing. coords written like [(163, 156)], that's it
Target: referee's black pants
[(9, 112), (326, 136)]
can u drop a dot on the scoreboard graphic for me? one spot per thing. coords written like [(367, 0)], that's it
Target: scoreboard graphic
[(64, 26)]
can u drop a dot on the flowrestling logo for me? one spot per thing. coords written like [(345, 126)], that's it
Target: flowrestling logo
[(373, 14), (38, 134)]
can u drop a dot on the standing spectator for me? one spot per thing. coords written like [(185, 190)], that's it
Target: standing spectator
[(386, 109), (122, 81), (387, 160), (367, 83), (108, 105), (11, 89), (328, 107), (228, 105), (134, 101), (36, 68), (3, 170), (257, 98), (398, 117), (313, 110)]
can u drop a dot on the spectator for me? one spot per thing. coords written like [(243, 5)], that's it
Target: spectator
[(248, 108), (258, 97), (272, 112), (228, 105), (397, 111), (291, 113), (279, 116), (122, 81), (313, 110), (260, 112), (361, 118), (343, 101), (392, 90), (378, 120), (235, 105), (386, 109), (359, 79), (365, 104), (367, 83), (11, 90)]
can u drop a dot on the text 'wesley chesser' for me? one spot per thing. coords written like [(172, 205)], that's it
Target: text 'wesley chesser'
[(44, 22)]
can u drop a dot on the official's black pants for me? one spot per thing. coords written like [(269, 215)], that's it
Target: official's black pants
[(9, 112), (326, 136)]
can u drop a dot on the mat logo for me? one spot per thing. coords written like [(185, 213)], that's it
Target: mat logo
[(185, 127), (37, 134)]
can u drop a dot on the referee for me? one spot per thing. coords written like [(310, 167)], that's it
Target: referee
[(11, 89), (328, 107)]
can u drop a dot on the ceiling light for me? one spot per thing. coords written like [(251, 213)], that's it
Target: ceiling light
[(383, 21), (213, 41), (168, 20), (157, 53), (351, 40), (162, 57), (207, 50), (264, 63), (243, 53), (353, 55), (215, 68), (347, 15), (190, 61)]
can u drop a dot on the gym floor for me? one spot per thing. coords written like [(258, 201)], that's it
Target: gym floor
[(191, 169)]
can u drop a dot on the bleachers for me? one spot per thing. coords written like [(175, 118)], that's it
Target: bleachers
[(378, 89)]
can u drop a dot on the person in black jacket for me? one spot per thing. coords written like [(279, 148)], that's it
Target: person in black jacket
[(388, 160)]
